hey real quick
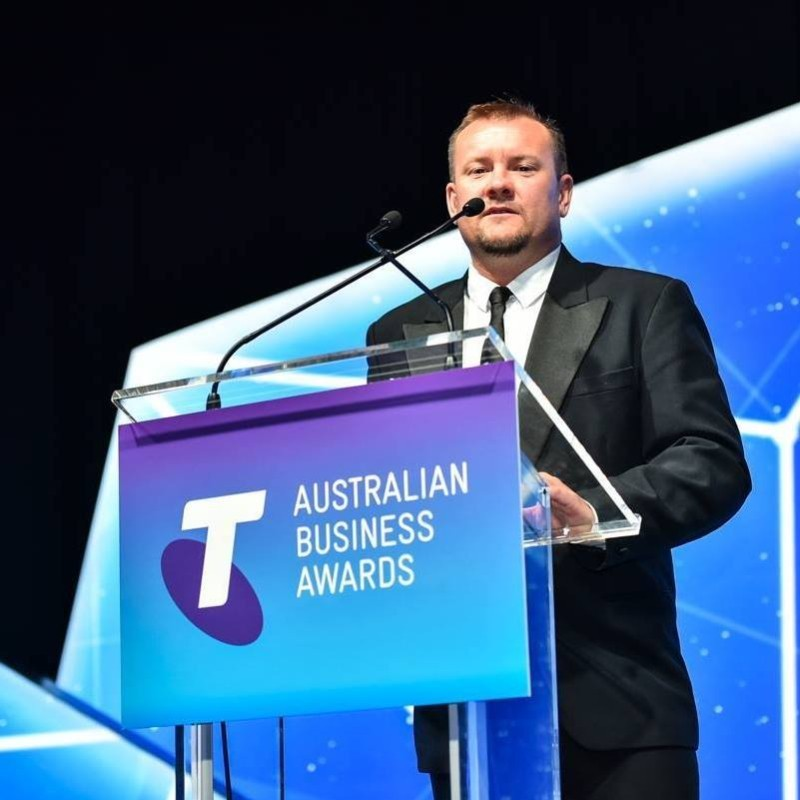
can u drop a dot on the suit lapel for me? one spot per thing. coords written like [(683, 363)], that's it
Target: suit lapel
[(452, 294), (567, 324)]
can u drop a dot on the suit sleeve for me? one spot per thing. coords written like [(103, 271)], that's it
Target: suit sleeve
[(693, 475)]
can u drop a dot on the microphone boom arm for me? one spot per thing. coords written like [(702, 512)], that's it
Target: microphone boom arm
[(470, 209)]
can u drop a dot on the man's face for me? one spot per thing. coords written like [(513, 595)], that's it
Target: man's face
[(510, 164)]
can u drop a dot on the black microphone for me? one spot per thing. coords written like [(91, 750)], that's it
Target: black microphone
[(470, 209), (390, 221), (473, 207)]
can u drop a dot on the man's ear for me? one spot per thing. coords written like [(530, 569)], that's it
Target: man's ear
[(451, 199), (565, 184)]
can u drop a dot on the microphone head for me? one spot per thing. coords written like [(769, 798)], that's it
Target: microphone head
[(473, 207), (391, 220)]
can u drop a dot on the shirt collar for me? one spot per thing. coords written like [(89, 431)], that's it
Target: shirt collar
[(526, 288)]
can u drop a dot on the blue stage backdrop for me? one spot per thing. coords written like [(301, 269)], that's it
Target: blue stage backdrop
[(723, 214)]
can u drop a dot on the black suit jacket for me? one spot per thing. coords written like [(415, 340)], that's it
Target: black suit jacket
[(626, 359)]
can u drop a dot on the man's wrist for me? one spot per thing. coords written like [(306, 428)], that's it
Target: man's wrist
[(599, 543)]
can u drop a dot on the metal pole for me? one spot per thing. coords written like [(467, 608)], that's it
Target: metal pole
[(281, 759), (454, 751), (477, 752), (202, 762), (180, 764)]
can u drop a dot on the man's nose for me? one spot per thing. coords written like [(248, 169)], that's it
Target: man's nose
[(500, 184)]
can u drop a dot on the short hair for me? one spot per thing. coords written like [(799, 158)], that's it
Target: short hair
[(510, 109)]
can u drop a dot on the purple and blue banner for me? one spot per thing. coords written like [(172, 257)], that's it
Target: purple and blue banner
[(357, 548)]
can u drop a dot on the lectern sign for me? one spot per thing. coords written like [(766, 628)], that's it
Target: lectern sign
[(358, 548)]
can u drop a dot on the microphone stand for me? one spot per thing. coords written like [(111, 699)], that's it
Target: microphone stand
[(390, 256), (470, 209)]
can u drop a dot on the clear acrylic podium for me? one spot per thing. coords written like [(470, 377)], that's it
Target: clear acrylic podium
[(506, 748)]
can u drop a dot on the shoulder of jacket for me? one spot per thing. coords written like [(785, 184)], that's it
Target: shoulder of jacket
[(612, 281), (629, 275)]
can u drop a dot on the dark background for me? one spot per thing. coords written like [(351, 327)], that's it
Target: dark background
[(154, 180)]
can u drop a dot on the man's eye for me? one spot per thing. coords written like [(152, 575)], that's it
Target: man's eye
[(526, 168), (477, 170)]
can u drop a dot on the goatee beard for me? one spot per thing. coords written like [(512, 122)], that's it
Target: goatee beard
[(509, 246)]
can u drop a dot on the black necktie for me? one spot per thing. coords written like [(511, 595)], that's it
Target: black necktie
[(497, 306)]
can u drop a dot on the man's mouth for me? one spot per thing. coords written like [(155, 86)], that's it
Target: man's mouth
[(498, 210)]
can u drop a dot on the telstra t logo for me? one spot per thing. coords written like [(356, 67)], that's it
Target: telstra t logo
[(202, 579)]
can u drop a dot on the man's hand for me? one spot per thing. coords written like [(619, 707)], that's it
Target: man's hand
[(567, 508)]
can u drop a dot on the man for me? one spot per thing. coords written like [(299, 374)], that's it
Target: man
[(625, 357)]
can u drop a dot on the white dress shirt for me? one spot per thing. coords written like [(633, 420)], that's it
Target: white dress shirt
[(522, 308), (522, 311)]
